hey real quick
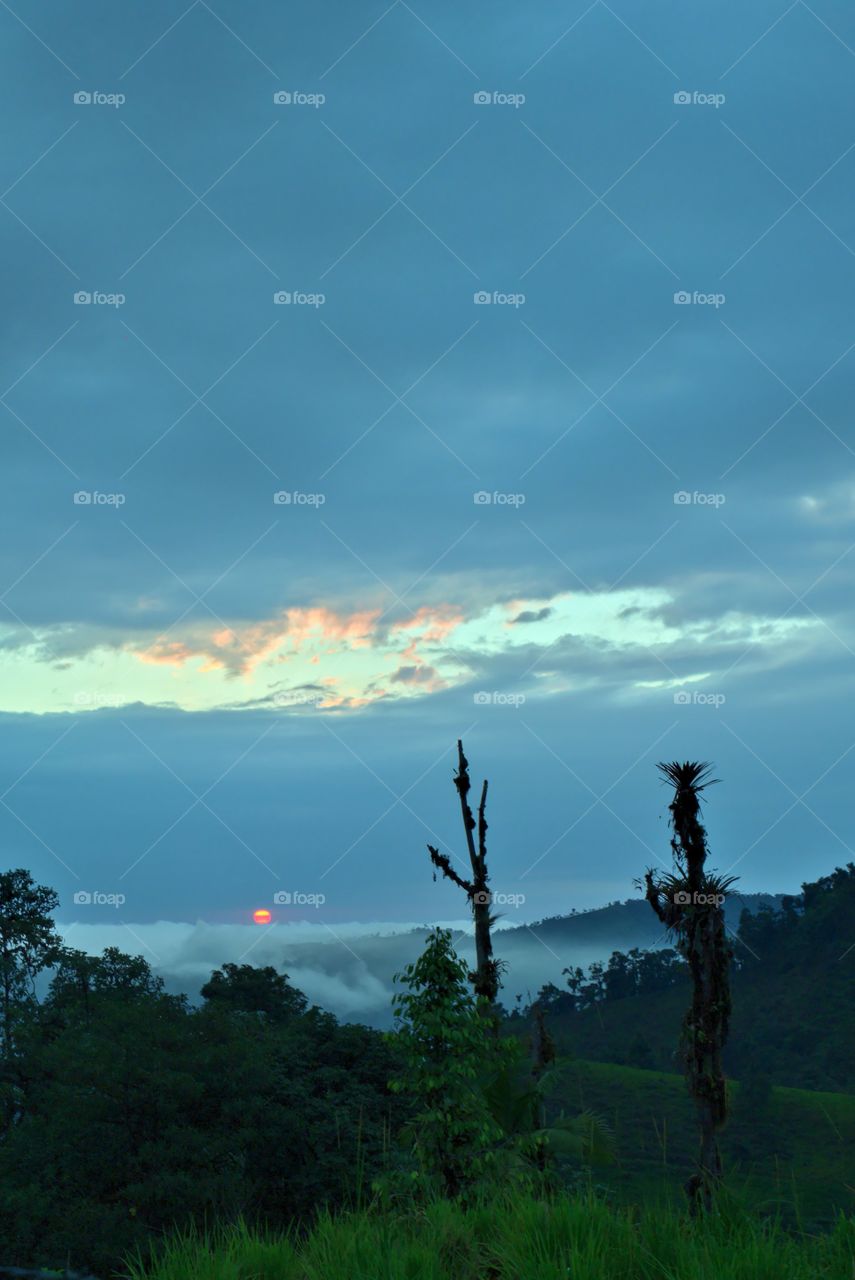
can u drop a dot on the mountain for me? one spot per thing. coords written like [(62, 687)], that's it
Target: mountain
[(793, 997), (622, 925), (353, 976)]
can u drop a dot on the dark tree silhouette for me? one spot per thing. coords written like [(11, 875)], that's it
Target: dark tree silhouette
[(245, 989), (690, 905), (485, 979), (29, 943)]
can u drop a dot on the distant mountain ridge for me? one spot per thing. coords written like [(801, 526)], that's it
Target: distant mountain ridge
[(632, 923), (618, 925), (793, 996), (352, 974)]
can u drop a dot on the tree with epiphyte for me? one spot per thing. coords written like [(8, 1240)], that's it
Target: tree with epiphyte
[(689, 904)]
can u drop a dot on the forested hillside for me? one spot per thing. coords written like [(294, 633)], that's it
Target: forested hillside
[(793, 1017), (126, 1112)]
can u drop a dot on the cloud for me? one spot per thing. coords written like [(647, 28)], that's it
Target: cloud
[(357, 658), (535, 615), (296, 674), (417, 675), (350, 969), (833, 505)]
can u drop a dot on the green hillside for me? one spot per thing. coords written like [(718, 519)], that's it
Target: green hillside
[(793, 989), (793, 1152)]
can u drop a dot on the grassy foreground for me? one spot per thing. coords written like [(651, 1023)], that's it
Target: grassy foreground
[(795, 1160), (572, 1238)]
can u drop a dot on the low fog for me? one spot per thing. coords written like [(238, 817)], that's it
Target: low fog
[(348, 969)]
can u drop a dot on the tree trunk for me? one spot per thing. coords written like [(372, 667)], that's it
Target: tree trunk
[(690, 905), (485, 978)]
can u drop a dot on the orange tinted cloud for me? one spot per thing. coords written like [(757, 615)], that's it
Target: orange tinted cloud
[(293, 630), (433, 623), (438, 621), (175, 654), (320, 635)]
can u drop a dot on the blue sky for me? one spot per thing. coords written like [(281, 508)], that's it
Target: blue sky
[(496, 380)]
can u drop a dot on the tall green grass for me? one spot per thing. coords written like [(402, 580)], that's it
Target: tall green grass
[(514, 1238), (796, 1162)]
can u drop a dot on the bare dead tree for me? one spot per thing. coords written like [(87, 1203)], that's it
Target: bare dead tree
[(689, 904), (485, 978)]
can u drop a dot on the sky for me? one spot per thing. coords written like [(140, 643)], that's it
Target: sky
[(379, 374)]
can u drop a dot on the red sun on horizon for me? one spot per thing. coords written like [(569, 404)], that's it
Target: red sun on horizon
[(262, 916)]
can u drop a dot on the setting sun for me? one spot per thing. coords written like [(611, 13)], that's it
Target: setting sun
[(262, 916)]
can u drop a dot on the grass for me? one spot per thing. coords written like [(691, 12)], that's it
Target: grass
[(796, 1161), (783, 1216), (519, 1238)]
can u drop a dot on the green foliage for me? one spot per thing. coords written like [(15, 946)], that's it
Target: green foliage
[(794, 1160), (29, 943), (631, 973), (136, 1113), (245, 989), (758, 1133), (538, 1135), (446, 1040), (483, 1115), (79, 977), (510, 1237), (783, 959), (129, 1113)]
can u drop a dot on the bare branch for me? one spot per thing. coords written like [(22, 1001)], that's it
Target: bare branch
[(485, 977), (440, 860), (461, 781), (482, 831)]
